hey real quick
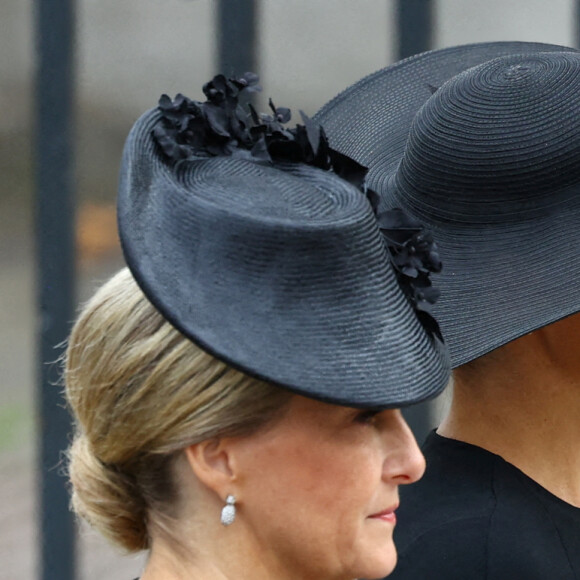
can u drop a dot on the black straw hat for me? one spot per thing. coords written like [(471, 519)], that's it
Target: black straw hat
[(482, 144), (278, 268)]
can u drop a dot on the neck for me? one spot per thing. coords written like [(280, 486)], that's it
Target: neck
[(201, 560), (214, 555), (523, 403)]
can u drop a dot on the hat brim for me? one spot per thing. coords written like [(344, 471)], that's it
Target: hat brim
[(498, 283), (310, 304)]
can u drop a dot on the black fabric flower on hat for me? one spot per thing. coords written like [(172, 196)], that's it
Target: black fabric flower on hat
[(214, 127), (414, 256), (221, 127)]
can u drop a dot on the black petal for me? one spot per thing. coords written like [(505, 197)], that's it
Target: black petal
[(312, 131)]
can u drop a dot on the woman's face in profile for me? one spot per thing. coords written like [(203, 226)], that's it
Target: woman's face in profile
[(319, 488)]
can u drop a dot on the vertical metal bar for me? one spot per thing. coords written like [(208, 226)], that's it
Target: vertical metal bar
[(576, 20), (415, 19), (415, 26), (236, 28), (54, 31)]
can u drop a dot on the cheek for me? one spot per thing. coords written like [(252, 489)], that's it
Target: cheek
[(317, 480), (309, 501)]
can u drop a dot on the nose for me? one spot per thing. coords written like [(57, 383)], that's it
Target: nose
[(404, 462)]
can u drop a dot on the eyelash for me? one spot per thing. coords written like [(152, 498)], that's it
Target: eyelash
[(367, 417)]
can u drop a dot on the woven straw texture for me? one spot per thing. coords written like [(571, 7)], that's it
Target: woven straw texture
[(489, 160)]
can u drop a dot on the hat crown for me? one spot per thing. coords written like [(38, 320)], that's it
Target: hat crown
[(497, 141), (278, 269)]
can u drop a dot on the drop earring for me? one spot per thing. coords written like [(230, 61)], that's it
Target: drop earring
[(229, 511)]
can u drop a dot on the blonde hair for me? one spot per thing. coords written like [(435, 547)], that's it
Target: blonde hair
[(140, 392)]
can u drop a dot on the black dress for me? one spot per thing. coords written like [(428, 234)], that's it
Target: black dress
[(474, 516)]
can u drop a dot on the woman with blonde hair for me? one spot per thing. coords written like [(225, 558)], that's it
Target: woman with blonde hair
[(236, 389)]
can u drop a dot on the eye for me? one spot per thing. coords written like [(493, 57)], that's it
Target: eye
[(367, 417)]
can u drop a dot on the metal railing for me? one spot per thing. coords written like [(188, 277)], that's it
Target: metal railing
[(54, 151), (414, 26)]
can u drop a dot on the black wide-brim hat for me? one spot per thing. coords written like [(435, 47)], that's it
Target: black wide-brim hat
[(482, 144), (280, 271)]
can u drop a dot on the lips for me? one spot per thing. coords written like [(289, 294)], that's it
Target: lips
[(387, 515)]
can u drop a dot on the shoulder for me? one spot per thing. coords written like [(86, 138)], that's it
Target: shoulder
[(474, 548), (444, 519), (453, 550), (472, 517)]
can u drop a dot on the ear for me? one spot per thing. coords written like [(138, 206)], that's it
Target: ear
[(213, 465)]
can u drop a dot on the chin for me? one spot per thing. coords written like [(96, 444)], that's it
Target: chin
[(379, 564)]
